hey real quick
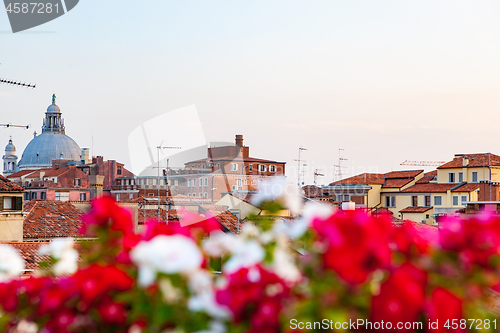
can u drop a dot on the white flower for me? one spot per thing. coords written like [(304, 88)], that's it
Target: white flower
[(203, 299), (295, 229), (278, 190), (166, 254), (11, 263), (283, 264), (218, 243), (245, 254), (25, 326), (62, 250)]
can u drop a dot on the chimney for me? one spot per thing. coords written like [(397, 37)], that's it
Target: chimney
[(239, 140), (465, 161)]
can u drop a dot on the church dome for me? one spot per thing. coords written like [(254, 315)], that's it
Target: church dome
[(52, 144), (10, 149)]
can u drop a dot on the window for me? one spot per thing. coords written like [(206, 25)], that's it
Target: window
[(7, 203), (118, 170), (218, 166), (262, 168), (272, 168), (117, 197), (201, 195), (451, 177), (474, 177), (238, 182), (347, 197), (130, 196), (150, 181), (437, 200), (426, 216), (201, 182), (460, 177), (455, 200), (205, 195), (189, 182), (427, 201), (150, 194), (250, 168), (390, 201), (206, 181), (235, 187), (463, 199), (234, 166), (43, 195), (33, 195), (189, 194), (26, 196), (78, 182), (194, 195), (414, 201), (83, 197)]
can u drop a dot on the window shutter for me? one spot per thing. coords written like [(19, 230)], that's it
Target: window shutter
[(1, 204), (18, 203)]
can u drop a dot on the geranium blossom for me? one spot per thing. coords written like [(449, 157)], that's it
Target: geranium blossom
[(11, 263), (62, 250), (166, 254)]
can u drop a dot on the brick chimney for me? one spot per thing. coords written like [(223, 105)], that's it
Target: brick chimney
[(239, 140)]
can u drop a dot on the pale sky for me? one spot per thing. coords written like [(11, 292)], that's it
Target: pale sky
[(387, 81)]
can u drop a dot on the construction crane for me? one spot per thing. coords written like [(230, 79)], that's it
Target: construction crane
[(17, 83), (422, 163), (19, 126)]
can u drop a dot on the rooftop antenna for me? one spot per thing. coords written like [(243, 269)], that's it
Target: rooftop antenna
[(339, 166), (317, 174), (19, 126), (298, 165), (17, 83)]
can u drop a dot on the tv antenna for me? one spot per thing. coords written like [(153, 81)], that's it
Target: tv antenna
[(339, 166), (11, 125), (317, 174), (17, 83), (298, 165)]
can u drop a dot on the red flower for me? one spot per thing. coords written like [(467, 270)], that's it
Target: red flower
[(256, 294), (357, 244), (401, 297), (96, 281), (412, 241), (8, 298), (112, 313), (106, 212), (444, 306)]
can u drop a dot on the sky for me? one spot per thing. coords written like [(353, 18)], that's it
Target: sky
[(387, 81)]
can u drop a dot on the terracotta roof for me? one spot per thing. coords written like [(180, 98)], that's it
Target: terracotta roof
[(475, 160), (145, 215), (364, 178), (403, 174), (223, 216), (29, 252), (428, 176), (412, 209), (8, 186), (50, 219), (50, 172), (312, 191), (468, 187), (397, 182), (20, 173), (417, 225), (382, 210), (429, 187)]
